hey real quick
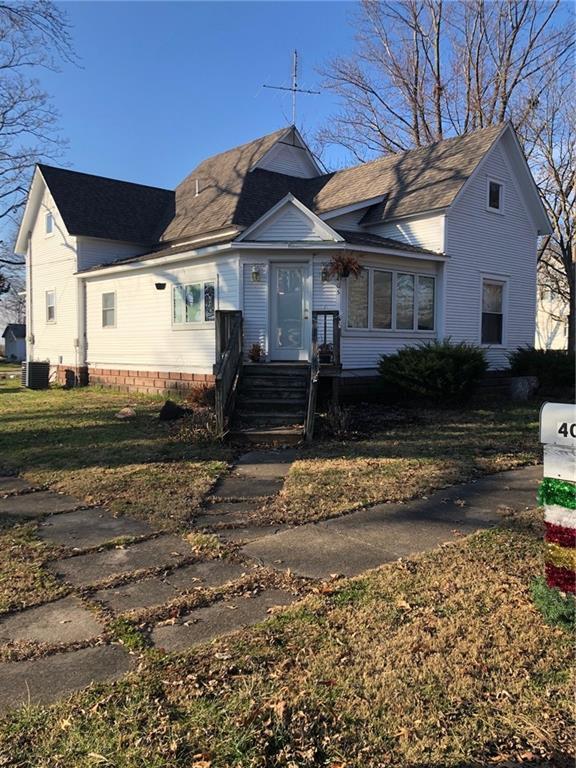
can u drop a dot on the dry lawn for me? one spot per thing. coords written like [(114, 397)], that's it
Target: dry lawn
[(440, 661)]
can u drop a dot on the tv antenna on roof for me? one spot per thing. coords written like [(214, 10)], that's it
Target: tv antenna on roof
[(294, 87)]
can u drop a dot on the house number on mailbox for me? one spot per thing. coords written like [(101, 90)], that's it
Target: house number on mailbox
[(567, 430)]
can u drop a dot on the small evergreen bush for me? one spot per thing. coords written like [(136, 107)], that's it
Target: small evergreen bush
[(441, 371), (556, 607), (552, 367)]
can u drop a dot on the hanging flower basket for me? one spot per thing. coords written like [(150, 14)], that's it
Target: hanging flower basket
[(343, 265)]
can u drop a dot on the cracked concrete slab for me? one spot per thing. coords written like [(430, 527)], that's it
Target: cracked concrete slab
[(14, 484), (135, 595), (90, 528), (37, 504), (219, 619), (210, 573), (42, 681), (62, 621), (95, 567), (370, 537)]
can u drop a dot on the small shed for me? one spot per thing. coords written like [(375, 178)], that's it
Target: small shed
[(15, 341)]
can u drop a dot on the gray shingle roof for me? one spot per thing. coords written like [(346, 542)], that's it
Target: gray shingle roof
[(17, 329), (95, 206), (224, 192)]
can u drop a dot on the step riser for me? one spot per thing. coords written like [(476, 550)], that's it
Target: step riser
[(283, 406), (257, 383), (266, 439), (272, 370), (252, 420)]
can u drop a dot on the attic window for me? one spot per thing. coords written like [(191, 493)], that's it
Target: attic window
[(495, 194), (49, 223)]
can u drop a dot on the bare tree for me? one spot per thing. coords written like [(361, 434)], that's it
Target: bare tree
[(550, 136), (425, 70), (428, 69), (33, 35)]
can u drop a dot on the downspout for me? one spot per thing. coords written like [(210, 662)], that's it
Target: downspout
[(29, 304), (80, 341)]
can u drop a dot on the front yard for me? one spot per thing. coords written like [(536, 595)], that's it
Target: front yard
[(440, 660)]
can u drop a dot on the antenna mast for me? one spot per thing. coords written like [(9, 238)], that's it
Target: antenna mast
[(294, 87)]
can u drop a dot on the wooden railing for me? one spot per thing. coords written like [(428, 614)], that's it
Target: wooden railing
[(228, 363), (326, 337)]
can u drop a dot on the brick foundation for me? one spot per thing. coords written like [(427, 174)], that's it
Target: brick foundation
[(151, 382)]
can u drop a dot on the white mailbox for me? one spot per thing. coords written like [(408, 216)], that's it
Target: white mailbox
[(558, 433)]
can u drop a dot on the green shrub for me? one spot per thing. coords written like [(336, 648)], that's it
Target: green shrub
[(556, 607), (553, 367), (434, 370)]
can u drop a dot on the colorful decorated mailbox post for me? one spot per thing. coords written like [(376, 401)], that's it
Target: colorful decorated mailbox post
[(558, 494)]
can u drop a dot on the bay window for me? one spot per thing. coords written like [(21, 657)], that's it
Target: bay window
[(385, 300), (193, 303)]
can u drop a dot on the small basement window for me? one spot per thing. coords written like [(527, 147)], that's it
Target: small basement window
[(49, 223), (194, 303), (495, 195), (492, 312), (108, 310), (50, 306)]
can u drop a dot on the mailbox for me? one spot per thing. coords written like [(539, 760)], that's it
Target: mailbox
[(558, 493)]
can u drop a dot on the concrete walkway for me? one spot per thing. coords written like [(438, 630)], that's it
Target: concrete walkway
[(112, 566), (383, 533)]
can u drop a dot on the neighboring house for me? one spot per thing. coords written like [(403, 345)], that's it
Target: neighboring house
[(551, 320), (15, 341), (128, 282)]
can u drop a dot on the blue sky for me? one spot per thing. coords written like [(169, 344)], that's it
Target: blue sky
[(162, 85)]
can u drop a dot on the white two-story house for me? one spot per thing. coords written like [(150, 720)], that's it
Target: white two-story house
[(126, 284)]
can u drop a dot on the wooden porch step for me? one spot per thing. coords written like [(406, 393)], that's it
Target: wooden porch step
[(254, 418), (255, 383), (251, 402), (269, 436)]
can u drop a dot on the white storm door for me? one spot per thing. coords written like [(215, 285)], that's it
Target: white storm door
[(290, 312)]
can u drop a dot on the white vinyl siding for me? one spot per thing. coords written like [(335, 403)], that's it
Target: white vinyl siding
[(289, 160), (145, 337), (479, 244), (93, 251), (52, 262), (289, 224), (255, 305), (425, 231)]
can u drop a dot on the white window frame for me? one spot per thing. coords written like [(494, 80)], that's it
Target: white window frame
[(194, 323), (48, 216), (347, 330), (502, 280), (493, 180), (107, 309), (53, 305)]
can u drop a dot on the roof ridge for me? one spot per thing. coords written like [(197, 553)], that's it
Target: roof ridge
[(102, 178), (414, 150)]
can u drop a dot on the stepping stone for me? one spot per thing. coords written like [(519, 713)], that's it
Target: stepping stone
[(222, 618), (156, 591), (90, 528), (211, 573), (139, 594), (317, 553), (45, 680), (94, 567), (31, 505), (247, 533), (247, 487), (13, 485), (63, 621), (227, 513)]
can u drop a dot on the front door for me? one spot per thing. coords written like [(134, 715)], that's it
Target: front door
[(290, 312)]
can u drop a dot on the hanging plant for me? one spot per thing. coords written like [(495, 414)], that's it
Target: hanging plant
[(343, 265)]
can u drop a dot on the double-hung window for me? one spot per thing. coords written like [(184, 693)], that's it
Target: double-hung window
[(108, 310), (493, 299), (385, 300), (494, 195), (193, 303), (50, 306)]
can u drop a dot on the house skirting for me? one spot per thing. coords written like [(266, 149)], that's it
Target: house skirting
[(150, 382)]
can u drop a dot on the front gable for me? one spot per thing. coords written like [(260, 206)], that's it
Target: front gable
[(290, 221)]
